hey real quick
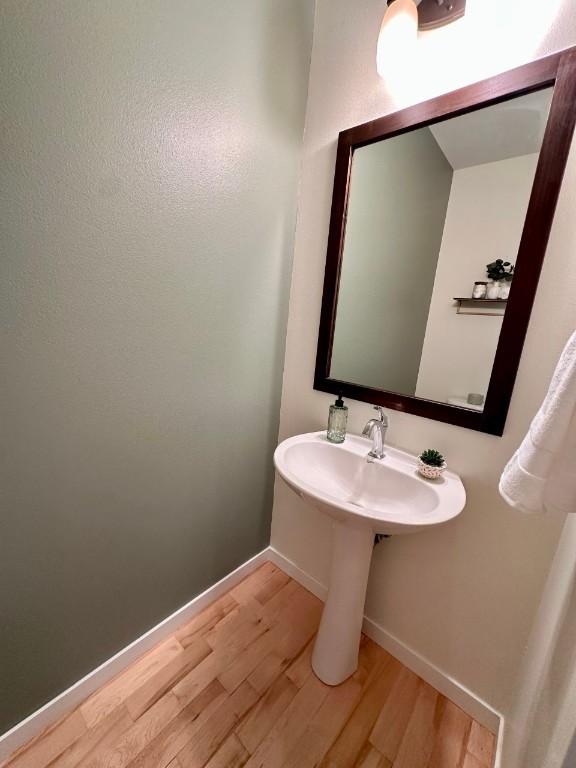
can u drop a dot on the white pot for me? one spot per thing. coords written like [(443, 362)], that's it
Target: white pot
[(504, 291), (493, 290), (430, 473)]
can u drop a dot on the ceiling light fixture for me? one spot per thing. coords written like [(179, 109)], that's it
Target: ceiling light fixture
[(403, 19)]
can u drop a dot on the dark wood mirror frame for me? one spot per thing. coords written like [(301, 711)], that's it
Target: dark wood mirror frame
[(558, 70)]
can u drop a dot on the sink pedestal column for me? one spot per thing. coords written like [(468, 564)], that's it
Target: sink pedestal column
[(335, 655)]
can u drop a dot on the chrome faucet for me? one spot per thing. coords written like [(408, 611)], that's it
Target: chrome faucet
[(376, 429)]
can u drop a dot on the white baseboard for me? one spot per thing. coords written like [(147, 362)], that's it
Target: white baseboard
[(500, 745), (296, 573), (51, 712), (468, 701)]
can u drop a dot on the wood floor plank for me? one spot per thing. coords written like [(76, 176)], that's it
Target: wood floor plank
[(214, 731), (166, 677), (205, 620), (178, 731), (371, 655), (274, 607), (271, 586), (349, 744), (246, 662), (471, 762), (275, 748), (105, 734), (158, 721), (269, 668), (295, 625), (239, 621), (297, 669), (249, 586), (234, 688), (450, 742), (50, 744), (292, 598), (231, 754), (325, 725), (260, 720), (371, 758), (122, 752), (299, 619), (199, 678), (393, 720), (481, 744), (101, 703), (215, 664), (301, 668), (418, 742)]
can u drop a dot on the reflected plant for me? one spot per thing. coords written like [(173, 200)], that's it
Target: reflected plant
[(500, 271)]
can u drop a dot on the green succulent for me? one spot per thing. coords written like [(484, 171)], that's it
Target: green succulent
[(432, 457)]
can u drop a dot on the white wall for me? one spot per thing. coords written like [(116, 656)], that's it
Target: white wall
[(464, 596), (484, 221)]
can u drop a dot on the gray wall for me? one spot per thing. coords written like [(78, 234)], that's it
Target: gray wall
[(149, 160), (398, 202)]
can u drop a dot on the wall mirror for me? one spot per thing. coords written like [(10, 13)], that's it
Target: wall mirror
[(440, 219)]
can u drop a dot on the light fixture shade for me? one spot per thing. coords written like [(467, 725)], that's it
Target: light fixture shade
[(433, 13), (397, 36)]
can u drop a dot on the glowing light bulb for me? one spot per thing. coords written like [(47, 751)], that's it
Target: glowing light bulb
[(397, 36)]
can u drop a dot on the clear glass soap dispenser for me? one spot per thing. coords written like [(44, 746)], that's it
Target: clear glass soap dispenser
[(337, 418)]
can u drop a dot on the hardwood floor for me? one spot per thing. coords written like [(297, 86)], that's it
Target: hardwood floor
[(234, 687)]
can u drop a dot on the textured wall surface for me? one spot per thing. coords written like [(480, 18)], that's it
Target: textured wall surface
[(485, 217), (464, 595), (399, 192), (149, 162)]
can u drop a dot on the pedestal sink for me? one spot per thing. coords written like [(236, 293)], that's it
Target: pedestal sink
[(363, 497)]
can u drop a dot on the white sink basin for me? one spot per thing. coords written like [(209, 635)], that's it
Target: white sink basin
[(387, 495), (363, 498)]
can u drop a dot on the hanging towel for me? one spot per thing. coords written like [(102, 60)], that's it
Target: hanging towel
[(542, 473)]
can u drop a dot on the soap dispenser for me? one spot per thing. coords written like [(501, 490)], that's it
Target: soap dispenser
[(337, 418)]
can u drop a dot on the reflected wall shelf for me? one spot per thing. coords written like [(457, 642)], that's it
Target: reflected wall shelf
[(461, 402), (469, 306)]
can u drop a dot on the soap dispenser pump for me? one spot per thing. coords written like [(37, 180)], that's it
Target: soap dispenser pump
[(337, 418)]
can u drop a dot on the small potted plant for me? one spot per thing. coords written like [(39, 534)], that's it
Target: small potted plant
[(500, 273), (431, 464)]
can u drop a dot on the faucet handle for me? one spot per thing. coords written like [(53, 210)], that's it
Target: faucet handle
[(382, 414)]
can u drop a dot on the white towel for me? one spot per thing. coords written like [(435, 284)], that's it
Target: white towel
[(542, 473)]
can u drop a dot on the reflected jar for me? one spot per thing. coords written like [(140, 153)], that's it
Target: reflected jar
[(479, 290), (493, 291)]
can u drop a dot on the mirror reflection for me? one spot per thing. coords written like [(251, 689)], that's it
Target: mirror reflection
[(433, 226)]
